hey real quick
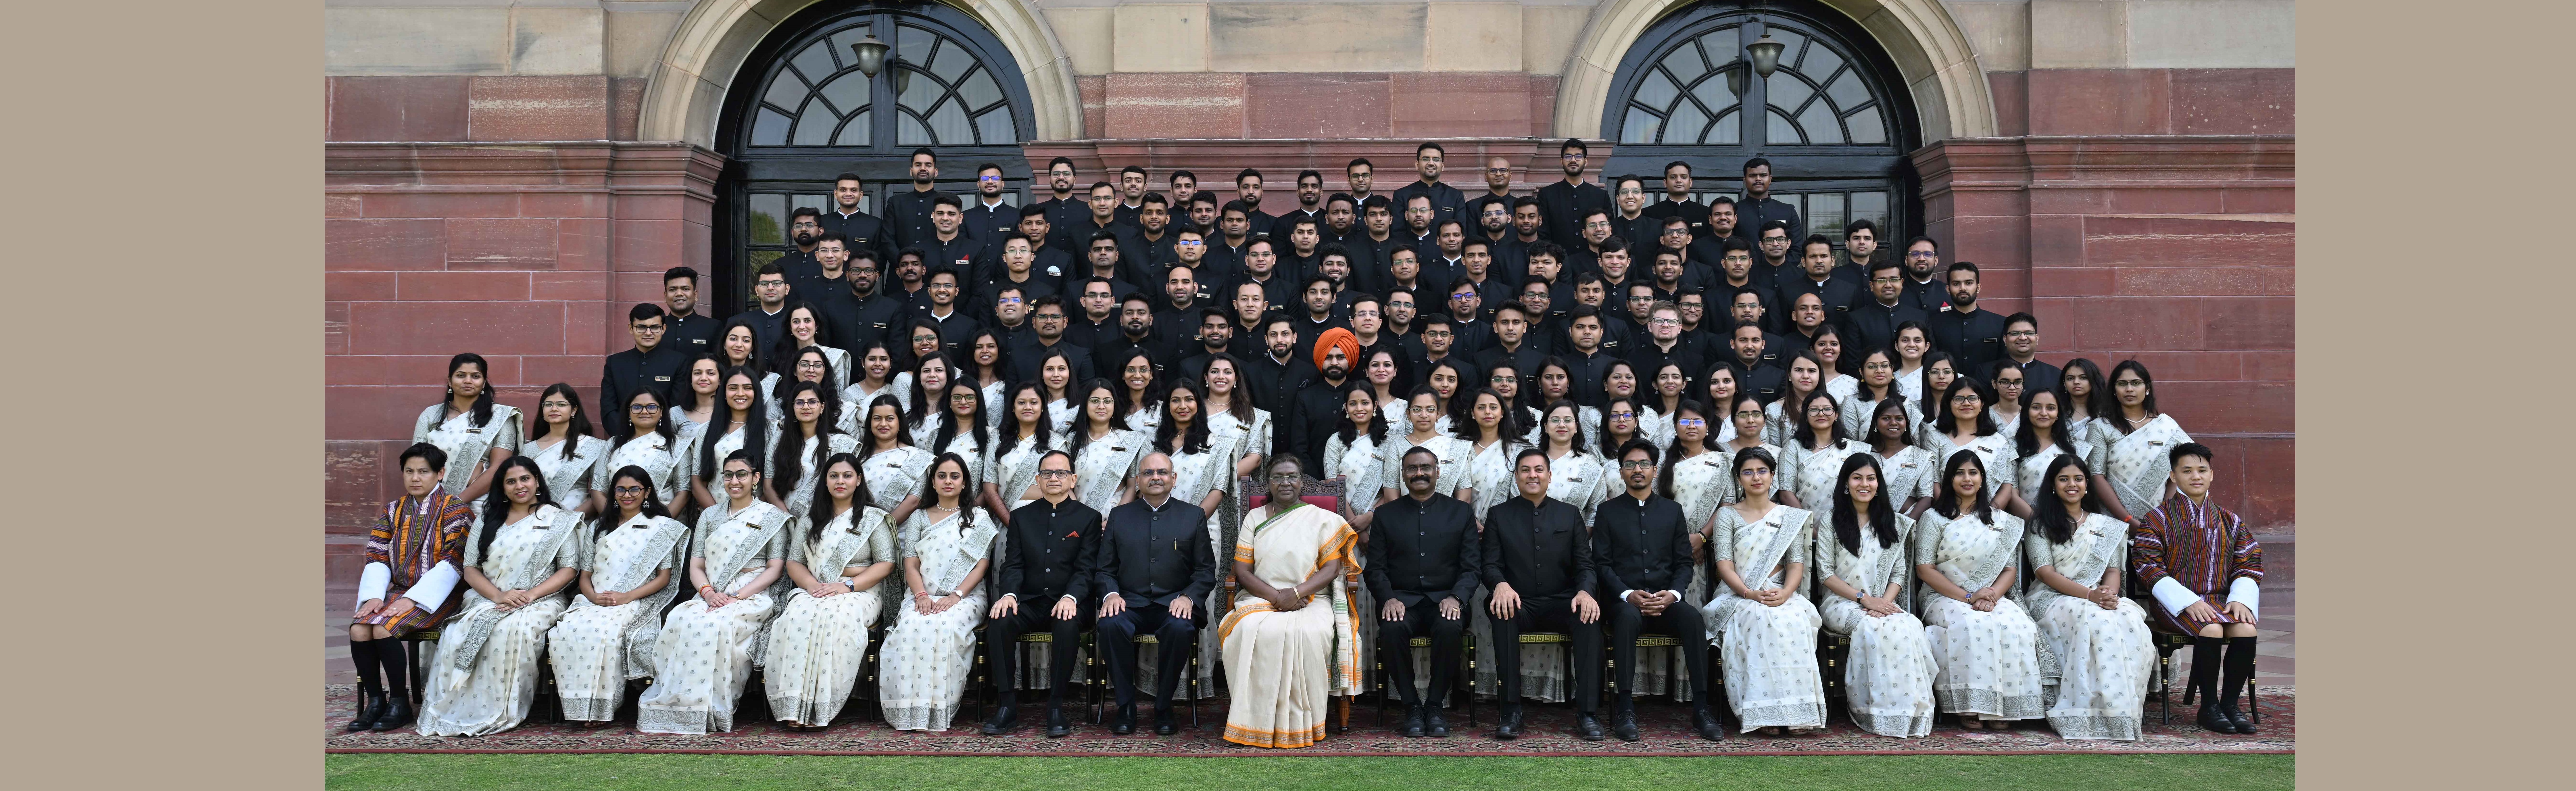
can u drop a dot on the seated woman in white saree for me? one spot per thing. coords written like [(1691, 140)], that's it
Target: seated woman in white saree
[(705, 652), (1104, 450), (1860, 560), (1759, 615), (2103, 654), (517, 563), (1965, 553), (820, 636), (948, 546), (1290, 641), (607, 637)]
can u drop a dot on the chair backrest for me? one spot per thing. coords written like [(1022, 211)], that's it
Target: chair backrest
[(1326, 494)]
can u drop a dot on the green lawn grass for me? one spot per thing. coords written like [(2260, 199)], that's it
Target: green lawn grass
[(972, 773)]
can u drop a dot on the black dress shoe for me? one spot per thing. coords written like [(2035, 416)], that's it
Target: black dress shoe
[(2212, 720), (1163, 721), (1125, 721), (1057, 726), (1705, 722), (1587, 726), (2244, 724), (398, 715), (1006, 718), (1412, 722), (1511, 727), (371, 707), (1625, 724), (1435, 725)]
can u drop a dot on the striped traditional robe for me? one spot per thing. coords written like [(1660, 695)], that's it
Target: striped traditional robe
[(413, 536), (2200, 545)]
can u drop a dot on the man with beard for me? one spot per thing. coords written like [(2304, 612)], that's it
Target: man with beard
[(804, 225), (1360, 175), (1758, 208), (1061, 262), (859, 230), (1047, 322), (908, 213), (1202, 207), (1677, 199), (948, 246), (1644, 552), (1446, 201), (1175, 318), (1335, 266), (1261, 265), (1185, 190), (1529, 225), (1695, 276), (651, 365), (1216, 336), (1720, 226), (1131, 194), (1436, 342), (2021, 351), (1314, 408), (990, 217), (1594, 238), (1341, 219), (1315, 314), (1628, 218), (1569, 203), (1494, 228), (1107, 262), (1466, 319), (1401, 309), (1923, 284), (1513, 345), (1370, 252), (1476, 266), (864, 316), (1585, 360), (1973, 337), (1498, 192), (1735, 275), (1098, 323), (1748, 309), (1247, 191), (769, 318), (1836, 288), (1310, 198), (1449, 251), (1757, 373), (1774, 268), (1136, 331), (1189, 252), (956, 327), (1538, 560), (1305, 240), (1150, 243), (1664, 275), (689, 332), (1696, 335), (1423, 566), (1588, 290), (1874, 323), (912, 280), (1664, 345), (1234, 233), (1278, 372), (1061, 208), (1418, 228)]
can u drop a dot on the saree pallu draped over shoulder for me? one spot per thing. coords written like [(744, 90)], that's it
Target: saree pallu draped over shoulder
[(1283, 667)]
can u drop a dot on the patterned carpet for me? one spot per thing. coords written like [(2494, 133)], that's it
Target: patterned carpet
[(1548, 732)]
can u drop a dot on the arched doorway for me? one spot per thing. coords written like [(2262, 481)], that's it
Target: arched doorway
[(1836, 124), (800, 112)]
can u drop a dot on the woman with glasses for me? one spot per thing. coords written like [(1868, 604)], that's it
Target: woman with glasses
[(1621, 420), (821, 635), (1493, 437), (1780, 418), (928, 411), (1694, 476), (738, 425), (1422, 413), (947, 552), (475, 433), (607, 637), (810, 365), (2099, 659), (652, 446), (876, 376), (921, 339), (2008, 384), (1876, 383), (1746, 412), (1024, 437), (1619, 383), (1140, 399), (1966, 553), (704, 655), (566, 453), (1861, 561), (809, 435), (1105, 451), (1758, 613), (1964, 425), (1815, 453), (805, 330), (2140, 439), (518, 561)]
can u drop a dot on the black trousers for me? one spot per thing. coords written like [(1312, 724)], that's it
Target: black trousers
[(1678, 620), (1177, 640), (1395, 644), (1034, 616), (1550, 615)]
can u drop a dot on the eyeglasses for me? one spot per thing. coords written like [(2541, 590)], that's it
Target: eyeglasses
[(1574, 157), (1819, 410), (1007, 301), (1636, 464), (1622, 415), (988, 178), (1665, 322), (1690, 422), (1919, 254), (623, 491), (643, 407), (1189, 243), (2021, 334), (1054, 473), (737, 475)]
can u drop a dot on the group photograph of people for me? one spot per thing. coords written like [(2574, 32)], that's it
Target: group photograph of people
[(1473, 467)]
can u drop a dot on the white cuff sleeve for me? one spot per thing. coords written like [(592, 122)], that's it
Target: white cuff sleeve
[(1106, 597), (1677, 595), (372, 582), (2247, 592), (2173, 595), (432, 590), (1623, 595)]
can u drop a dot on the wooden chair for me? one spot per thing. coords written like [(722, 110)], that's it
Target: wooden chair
[(1089, 649), (1465, 686), (1527, 638), (1189, 675)]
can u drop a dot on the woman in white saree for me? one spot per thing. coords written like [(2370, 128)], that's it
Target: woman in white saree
[(476, 433), (652, 444), (704, 655), (1964, 424), (518, 560), (740, 423), (930, 652), (1984, 643), (810, 434), (2103, 654), (1860, 560), (1238, 431), (821, 635), (1024, 435), (1290, 640), (1105, 451), (874, 377), (572, 460), (2140, 440), (1760, 617), (894, 468), (1814, 454), (1203, 475), (608, 635)]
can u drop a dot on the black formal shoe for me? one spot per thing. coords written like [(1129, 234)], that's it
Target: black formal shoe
[(1057, 726), (1587, 726), (1705, 722), (1624, 724), (2244, 724), (397, 716), (1412, 722), (1163, 721), (2212, 720), (371, 707), (1511, 727), (1125, 722), (1435, 725), (1006, 718)]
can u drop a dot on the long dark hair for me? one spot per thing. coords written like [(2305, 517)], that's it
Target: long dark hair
[(1155, 388), (818, 511), (2050, 512), (867, 434), (755, 427), (1947, 422), (483, 399), (1926, 406), (788, 376), (1505, 430), (1195, 440), (1882, 516), (785, 354), (930, 481), (579, 425), (497, 509), (2121, 425), (1869, 429), (661, 421), (1842, 360), (1946, 500), (1787, 384), (1376, 428), (650, 507), (1664, 477), (1806, 435), (686, 395), (921, 406), (1070, 383), (949, 430), (912, 358), (759, 359), (2026, 437), (859, 361), (1001, 357), (787, 461), (1010, 429), (1861, 388), (1080, 394), (2097, 399), (1237, 403), (1607, 446)]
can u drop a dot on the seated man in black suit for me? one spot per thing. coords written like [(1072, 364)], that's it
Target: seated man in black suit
[(1422, 566), (1644, 554), (1538, 560), (1154, 567), (1048, 568)]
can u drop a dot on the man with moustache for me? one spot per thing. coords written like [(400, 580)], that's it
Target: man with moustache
[(1316, 313), (1202, 207), (1131, 194), (1047, 322), (1277, 372), (990, 217), (1423, 565), (1587, 362), (1476, 266), (1719, 227), (908, 213), (1775, 267), (1677, 199), (1341, 219), (651, 365), (1735, 275), (1261, 265), (1313, 409), (1106, 261), (1154, 566), (2021, 351), (1838, 287), (1874, 322), (1304, 254), (912, 280), (948, 246), (1360, 175), (1371, 251), (1924, 284), (1758, 208), (1494, 228), (1513, 345), (1569, 203), (861, 230), (1150, 241), (1189, 251), (1974, 337), (1419, 230), (1537, 558), (1061, 208), (1498, 192), (1310, 198), (1050, 566), (689, 332), (804, 225), (1136, 332), (1174, 318), (1247, 191), (1643, 554), (1628, 218), (1060, 262), (862, 315), (1216, 336), (1758, 373), (1185, 189), (1098, 323), (1746, 309), (1446, 201)]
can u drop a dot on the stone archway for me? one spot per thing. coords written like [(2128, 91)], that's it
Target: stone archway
[(1951, 98), (685, 99)]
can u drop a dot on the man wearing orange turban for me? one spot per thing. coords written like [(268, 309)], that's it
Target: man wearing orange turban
[(1337, 338), (1315, 403)]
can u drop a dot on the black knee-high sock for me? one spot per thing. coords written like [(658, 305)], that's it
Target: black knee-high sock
[(2204, 667), (362, 653), (2240, 666), (397, 666)]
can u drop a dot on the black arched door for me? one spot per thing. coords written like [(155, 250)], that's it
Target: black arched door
[(1835, 123), (800, 113)]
